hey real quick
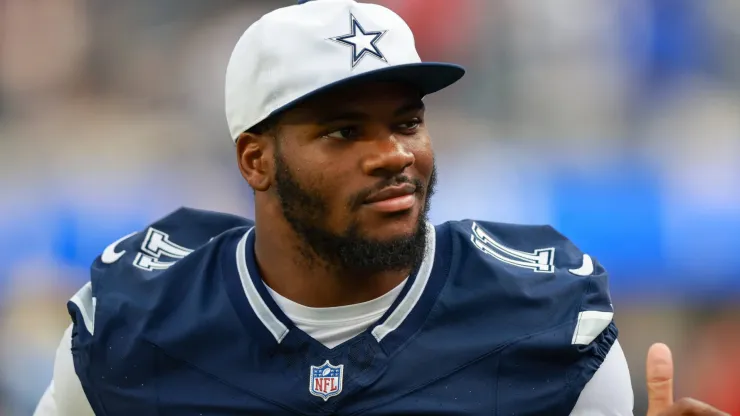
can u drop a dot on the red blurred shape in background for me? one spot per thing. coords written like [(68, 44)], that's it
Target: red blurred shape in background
[(442, 28)]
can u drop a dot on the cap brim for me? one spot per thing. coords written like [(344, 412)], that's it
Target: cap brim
[(428, 77)]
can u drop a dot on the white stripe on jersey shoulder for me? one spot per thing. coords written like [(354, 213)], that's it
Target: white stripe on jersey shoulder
[(85, 303), (414, 294), (260, 308), (590, 325)]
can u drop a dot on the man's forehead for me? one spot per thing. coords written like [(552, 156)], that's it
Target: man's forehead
[(366, 98)]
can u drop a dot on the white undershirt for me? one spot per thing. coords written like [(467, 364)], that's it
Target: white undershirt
[(608, 393), (333, 326)]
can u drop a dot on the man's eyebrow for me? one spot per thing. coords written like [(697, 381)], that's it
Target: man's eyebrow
[(416, 105)]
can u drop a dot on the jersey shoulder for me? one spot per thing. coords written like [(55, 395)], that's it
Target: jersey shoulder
[(165, 241), (538, 302), (528, 247), (535, 270), (164, 282), (141, 270)]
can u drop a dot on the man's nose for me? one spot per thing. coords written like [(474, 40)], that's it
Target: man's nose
[(389, 157)]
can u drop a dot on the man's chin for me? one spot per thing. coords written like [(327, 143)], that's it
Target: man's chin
[(393, 245)]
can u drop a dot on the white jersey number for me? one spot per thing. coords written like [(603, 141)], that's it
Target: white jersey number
[(540, 261), (157, 245)]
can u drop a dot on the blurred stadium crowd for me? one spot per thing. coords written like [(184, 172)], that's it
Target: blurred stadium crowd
[(617, 122)]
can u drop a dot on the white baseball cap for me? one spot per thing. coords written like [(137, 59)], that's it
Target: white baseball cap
[(295, 52)]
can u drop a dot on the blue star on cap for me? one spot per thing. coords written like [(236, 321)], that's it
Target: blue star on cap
[(362, 43)]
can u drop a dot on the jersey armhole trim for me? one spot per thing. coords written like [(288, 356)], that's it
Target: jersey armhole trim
[(85, 303), (589, 325)]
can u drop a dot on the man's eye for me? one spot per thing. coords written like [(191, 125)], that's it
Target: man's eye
[(410, 125), (347, 133)]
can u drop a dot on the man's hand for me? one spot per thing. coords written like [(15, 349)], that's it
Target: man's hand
[(660, 388)]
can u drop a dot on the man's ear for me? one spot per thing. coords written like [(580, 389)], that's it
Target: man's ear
[(255, 156)]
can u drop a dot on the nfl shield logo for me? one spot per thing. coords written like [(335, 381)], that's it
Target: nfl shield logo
[(326, 380)]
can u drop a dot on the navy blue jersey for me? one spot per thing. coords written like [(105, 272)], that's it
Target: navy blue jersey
[(498, 319)]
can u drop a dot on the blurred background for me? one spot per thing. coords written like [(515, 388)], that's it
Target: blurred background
[(617, 122)]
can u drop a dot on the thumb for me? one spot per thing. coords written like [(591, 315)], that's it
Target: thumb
[(659, 379)]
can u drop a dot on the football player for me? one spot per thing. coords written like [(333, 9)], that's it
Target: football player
[(340, 298)]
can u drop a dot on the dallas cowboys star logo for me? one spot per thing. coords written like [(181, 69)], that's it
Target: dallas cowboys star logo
[(362, 43)]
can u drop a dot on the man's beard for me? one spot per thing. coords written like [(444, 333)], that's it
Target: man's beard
[(349, 251)]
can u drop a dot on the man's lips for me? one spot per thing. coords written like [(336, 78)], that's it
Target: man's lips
[(393, 198)]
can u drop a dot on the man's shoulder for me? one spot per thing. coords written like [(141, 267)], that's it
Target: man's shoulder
[(167, 287), (164, 242), (522, 248), (149, 269), (532, 273)]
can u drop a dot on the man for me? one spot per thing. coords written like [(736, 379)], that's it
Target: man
[(340, 298)]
